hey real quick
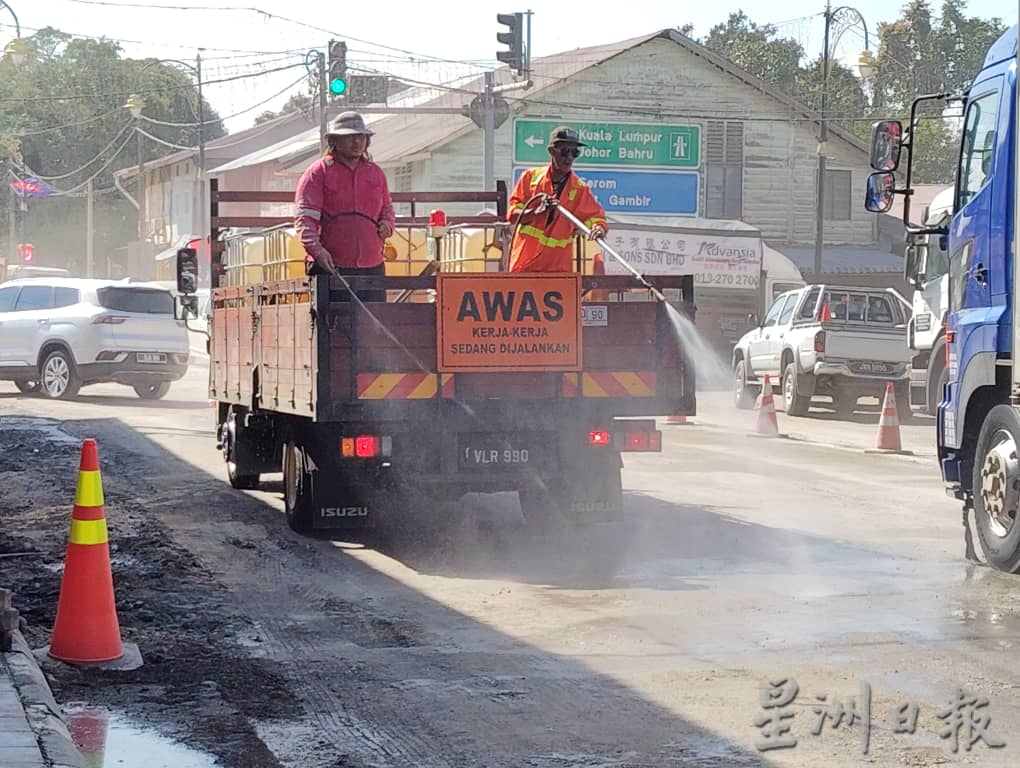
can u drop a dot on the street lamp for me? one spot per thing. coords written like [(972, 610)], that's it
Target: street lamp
[(867, 67)]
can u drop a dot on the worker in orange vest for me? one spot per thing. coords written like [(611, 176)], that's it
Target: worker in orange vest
[(543, 239)]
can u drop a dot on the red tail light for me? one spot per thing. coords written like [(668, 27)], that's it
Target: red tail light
[(950, 338), (637, 441), (598, 437), (366, 447), (820, 340)]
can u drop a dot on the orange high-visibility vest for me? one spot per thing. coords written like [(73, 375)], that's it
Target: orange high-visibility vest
[(546, 247)]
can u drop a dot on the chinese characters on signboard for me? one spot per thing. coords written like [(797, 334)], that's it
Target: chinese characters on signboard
[(964, 719), (721, 261)]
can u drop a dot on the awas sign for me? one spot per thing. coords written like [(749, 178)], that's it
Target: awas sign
[(714, 260), (509, 323)]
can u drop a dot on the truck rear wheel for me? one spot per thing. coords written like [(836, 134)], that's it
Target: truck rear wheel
[(996, 487), (298, 489), (233, 432), (795, 403)]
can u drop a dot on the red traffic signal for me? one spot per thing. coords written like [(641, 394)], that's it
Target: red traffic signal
[(26, 251)]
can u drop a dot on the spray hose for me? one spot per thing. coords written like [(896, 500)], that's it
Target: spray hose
[(552, 202)]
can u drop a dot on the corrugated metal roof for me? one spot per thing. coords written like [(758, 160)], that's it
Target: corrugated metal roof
[(404, 135), (849, 259)]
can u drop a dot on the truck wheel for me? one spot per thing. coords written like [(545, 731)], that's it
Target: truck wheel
[(795, 403), (744, 396), (233, 431), (996, 487), (938, 376), (903, 410), (298, 489), (59, 378), (154, 391)]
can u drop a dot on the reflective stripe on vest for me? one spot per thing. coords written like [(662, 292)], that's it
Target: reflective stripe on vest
[(544, 239)]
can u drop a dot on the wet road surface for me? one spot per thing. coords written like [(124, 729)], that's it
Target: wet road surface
[(477, 643)]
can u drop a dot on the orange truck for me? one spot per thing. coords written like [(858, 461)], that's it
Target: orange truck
[(467, 379)]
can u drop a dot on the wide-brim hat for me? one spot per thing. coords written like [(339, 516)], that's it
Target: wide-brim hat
[(565, 135), (349, 124)]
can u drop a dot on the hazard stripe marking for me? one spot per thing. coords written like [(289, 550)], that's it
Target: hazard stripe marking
[(618, 384), (90, 489), (88, 532), (402, 386), (570, 385), (449, 387)]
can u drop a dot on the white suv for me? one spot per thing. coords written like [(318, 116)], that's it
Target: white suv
[(58, 334)]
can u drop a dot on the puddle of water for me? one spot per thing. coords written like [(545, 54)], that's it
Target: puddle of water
[(108, 740)]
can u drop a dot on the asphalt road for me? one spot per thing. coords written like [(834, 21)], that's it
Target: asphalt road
[(478, 644)]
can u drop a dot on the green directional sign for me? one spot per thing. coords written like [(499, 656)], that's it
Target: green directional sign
[(623, 145)]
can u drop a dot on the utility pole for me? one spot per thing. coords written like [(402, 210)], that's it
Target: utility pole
[(489, 136), (141, 186), (323, 98), (12, 220), (89, 230), (202, 206), (823, 138)]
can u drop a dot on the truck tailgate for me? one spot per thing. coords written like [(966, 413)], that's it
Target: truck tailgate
[(870, 343)]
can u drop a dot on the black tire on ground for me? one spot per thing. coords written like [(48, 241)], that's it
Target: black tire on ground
[(938, 376), (231, 433), (795, 403), (58, 377), (155, 391), (995, 488), (298, 489), (744, 396), (903, 410), (28, 387)]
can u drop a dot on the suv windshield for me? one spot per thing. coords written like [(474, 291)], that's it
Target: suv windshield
[(145, 300)]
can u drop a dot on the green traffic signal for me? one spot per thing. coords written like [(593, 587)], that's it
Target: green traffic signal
[(337, 86)]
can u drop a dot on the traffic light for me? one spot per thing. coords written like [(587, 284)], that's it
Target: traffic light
[(26, 251), (513, 39), (337, 67)]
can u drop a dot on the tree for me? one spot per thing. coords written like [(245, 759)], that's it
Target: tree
[(298, 102), (757, 50), (64, 117)]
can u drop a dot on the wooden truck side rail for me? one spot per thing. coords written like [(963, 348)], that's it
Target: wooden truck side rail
[(298, 347)]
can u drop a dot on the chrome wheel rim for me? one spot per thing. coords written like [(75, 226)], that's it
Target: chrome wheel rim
[(1000, 483), (788, 391), (56, 376)]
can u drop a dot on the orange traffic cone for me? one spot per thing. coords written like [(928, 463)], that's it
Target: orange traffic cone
[(889, 424), (765, 411), (86, 629), (825, 316)]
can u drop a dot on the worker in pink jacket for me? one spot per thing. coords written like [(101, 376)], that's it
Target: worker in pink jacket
[(344, 210)]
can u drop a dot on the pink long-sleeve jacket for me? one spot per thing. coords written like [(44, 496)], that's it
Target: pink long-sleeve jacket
[(339, 210)]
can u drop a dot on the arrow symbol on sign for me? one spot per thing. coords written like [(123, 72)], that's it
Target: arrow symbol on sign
[(531, 141)]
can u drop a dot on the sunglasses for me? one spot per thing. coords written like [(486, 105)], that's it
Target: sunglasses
[(567, 152)]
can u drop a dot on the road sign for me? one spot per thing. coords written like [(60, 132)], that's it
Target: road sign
[(652, 192), (625, 145)]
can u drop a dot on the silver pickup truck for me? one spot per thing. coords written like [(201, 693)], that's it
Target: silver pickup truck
[(835, 341)]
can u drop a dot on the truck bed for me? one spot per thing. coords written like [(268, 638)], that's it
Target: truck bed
[(296, 347)]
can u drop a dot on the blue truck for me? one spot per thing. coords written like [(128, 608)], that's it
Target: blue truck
[(978, 422)]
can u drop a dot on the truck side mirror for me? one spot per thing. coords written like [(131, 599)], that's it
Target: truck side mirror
[(881, 189), (187, 272), (187, 306), (886, 144)]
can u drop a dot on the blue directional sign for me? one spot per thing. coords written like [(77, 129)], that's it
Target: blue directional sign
[(663, 193)]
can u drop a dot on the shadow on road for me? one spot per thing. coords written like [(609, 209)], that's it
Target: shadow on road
[(237, 615)]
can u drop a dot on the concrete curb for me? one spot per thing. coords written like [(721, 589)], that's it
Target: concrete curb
[(41, 708)]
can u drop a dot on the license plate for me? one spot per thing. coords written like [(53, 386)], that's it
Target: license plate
[(873, 368), (480, 451), (594, 315), (151, 357)]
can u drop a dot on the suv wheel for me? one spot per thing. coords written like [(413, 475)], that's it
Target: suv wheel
[(59, 379), (154, 391)]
